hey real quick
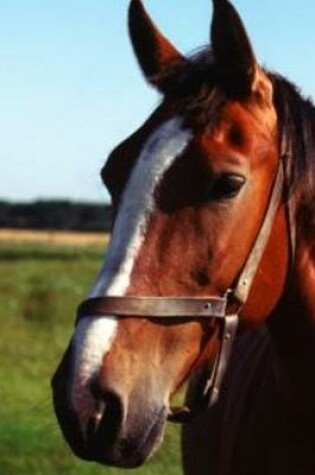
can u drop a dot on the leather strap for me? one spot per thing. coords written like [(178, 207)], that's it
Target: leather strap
[(247, 276), (213, 386), (154, 307)]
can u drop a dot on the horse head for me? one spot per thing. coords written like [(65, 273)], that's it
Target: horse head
[(190, 191)]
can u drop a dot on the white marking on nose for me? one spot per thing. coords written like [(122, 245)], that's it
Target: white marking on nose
[(94, 336)]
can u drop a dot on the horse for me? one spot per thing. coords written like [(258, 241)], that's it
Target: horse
[(209, 277)]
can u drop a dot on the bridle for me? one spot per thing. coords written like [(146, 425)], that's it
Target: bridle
[(201, 308)]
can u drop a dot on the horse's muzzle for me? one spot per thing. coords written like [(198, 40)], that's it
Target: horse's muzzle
[(116, 437)]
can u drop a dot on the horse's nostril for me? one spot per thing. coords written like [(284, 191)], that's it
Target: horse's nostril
[(96, 389), (105, 426)]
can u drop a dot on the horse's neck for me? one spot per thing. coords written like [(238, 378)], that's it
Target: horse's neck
[(293, 330)]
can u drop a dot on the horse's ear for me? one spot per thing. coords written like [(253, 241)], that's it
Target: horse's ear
[(153, 51), (233, 53)]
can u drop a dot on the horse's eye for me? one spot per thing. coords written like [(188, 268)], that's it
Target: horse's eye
[(227, 186)]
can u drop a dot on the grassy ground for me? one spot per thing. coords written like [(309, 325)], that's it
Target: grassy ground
[(40, 286)]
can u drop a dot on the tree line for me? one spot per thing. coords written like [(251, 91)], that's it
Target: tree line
[(56, 216)]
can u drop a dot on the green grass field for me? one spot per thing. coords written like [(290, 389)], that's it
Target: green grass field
[(40, 287)]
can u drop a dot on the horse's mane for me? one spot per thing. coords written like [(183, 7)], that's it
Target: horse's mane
[(296, 116), (192, 87)]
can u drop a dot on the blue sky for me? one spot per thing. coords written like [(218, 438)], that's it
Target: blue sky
[(70, 88)]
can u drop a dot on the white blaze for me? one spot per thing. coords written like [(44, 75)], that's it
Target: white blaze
[(93, 336)]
